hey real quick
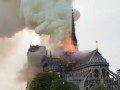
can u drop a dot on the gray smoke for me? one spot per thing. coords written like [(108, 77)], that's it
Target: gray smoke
[(11, 22), (23, 74), (7, 45), (35, 56), (76, 15), (50, 17), (10, 19)]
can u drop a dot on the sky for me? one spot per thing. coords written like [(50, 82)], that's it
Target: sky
[(99, 21)]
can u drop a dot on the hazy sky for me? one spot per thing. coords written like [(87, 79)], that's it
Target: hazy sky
[(100, 20)]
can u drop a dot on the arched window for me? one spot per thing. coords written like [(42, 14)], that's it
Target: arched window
[(96, 73), (107, 74), (103, 72), (90, 75)]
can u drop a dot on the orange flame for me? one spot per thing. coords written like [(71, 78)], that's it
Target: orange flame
[(68, 44)]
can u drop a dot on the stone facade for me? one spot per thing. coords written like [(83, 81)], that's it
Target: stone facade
[(91, 69)]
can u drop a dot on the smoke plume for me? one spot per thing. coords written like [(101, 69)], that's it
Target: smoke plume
[(10, 19), (76, 14), (51, 17), (7, 45), (35, 55)]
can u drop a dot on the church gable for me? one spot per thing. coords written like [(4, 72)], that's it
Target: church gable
[(97, 58)]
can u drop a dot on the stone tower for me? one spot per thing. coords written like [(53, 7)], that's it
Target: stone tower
[(35, 55)]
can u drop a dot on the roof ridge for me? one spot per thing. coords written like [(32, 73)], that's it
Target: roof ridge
[(95, 51)]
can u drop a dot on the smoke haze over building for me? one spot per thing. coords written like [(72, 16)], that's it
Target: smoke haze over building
[(98, 19), (52, 18)]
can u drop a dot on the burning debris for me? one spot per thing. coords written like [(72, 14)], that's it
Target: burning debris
[(70, 58)]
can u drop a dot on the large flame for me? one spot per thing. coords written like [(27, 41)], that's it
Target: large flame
[(68, 44)]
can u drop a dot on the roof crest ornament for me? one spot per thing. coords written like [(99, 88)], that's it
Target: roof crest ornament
[(96, 45)]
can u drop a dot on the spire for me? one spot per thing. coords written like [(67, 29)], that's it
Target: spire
[(73, 31)]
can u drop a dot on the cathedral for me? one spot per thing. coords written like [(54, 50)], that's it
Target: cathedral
[(85, 69), (91, 69)]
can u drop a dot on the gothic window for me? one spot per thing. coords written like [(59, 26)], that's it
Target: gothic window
[(96, 73), (90, 75), (107, 74), (103, 72)]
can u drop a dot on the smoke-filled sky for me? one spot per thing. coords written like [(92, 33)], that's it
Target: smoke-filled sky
[(99, 21)]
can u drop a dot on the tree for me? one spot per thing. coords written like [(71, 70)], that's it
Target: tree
[(99, 87), (72, 86), (63, 85), (42, 81), (50, 81), (59, 85)]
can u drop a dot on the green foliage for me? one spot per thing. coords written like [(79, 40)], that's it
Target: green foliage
[(43, 81), (72, 86), (99, 87), (63, 85), (50, 81), (59, 85)]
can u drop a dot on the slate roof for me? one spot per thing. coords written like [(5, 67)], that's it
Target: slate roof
[(90, 58), (97, 58), (86, 59)]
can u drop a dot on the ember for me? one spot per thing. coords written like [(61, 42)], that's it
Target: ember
[(69, 51), (70, 58), (68, 44)]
